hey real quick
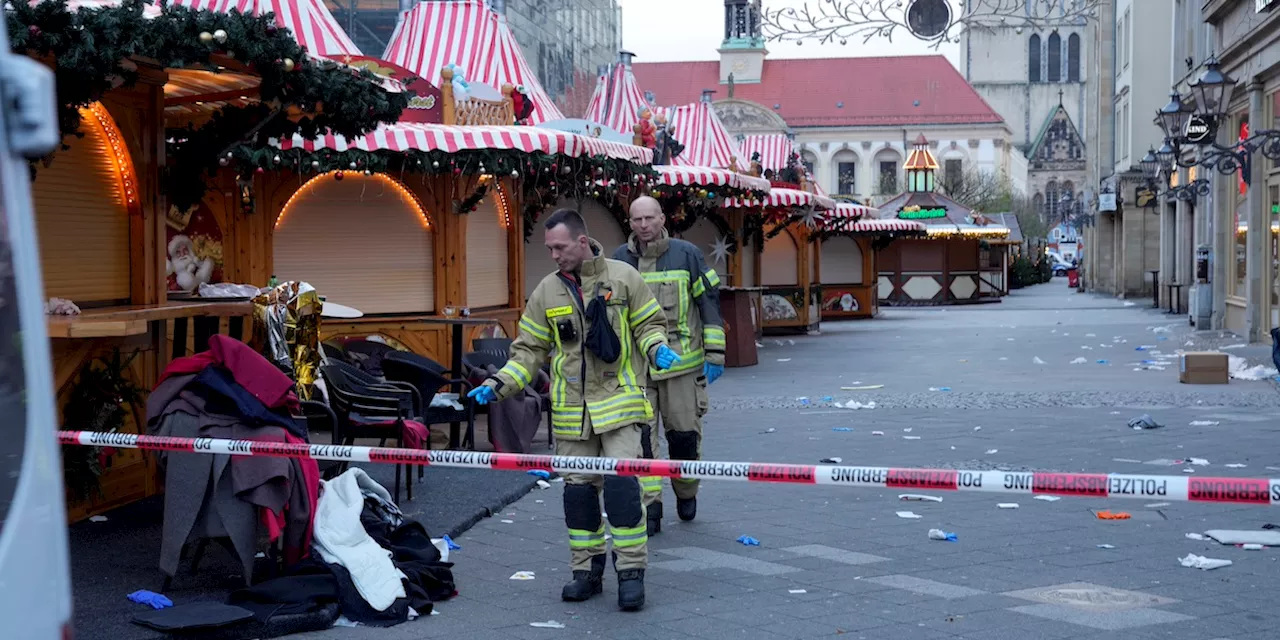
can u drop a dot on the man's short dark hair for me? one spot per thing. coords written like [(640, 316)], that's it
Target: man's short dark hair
[(570, 219)]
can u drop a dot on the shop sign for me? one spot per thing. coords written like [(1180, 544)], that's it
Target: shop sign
[(1199, 129), (916, 213), (1106, 202)]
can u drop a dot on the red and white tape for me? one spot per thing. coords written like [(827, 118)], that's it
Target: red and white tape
[(1090, 485)]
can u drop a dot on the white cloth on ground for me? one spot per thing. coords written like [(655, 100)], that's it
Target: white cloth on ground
[(341, 539)]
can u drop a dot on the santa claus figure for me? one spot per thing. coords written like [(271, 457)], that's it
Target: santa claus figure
[(188, 270)]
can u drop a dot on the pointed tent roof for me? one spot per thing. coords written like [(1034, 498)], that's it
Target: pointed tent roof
[(473, 36), (706, 142), (775, 150), (310, 21), (598, 106), (1039, 140)]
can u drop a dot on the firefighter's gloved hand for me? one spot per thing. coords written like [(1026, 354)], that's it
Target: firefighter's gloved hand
[(482, 394), (665, 358), (713, 371)]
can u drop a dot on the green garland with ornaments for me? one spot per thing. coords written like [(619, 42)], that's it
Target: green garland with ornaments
[(101, 399), (94, 50)]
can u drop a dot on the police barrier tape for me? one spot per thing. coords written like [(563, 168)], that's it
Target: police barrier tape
[(1093, 485)]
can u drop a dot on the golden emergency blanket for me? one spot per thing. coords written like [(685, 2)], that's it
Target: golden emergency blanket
[(286, 329)]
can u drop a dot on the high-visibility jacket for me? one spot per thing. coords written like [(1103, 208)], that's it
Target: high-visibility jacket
[(554, 326), (689, 293)]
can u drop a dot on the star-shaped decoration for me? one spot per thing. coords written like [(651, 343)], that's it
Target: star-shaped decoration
[(720, 250), (346, 59), (811, 217)]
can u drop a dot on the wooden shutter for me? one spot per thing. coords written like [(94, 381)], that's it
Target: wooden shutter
[(602, 226), (537, 261), (841, 261), (703, 235), (779, 263), (359, 241), (488, 281), (82, 221)]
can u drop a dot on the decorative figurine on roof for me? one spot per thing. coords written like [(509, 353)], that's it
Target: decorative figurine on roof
[(521, 103), (461, 90), (794, 172), (666, 146), (645, 131), (755, 167)]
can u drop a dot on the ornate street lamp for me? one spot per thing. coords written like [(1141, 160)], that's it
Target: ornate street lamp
[(1212, 90), (1166, 156), (1172, 117), (1150, 165)]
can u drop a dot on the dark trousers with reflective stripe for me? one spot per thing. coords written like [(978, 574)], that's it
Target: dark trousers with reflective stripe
[(622, 501), (680, 403)]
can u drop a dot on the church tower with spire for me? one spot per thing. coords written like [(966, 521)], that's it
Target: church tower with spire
[(742, 51)]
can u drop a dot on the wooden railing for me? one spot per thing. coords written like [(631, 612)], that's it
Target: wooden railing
[(475, 111)]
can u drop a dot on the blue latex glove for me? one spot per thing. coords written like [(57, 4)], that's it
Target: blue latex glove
[(482, 394), (150, 598), (665, 358), (713, 371)]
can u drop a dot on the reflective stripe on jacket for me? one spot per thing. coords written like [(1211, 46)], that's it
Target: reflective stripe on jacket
[(689, 293), (554, 326)]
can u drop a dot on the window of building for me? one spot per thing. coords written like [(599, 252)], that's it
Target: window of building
[(1124, 121), (888, 177), (1050, 212), (952, 174), (1119, 45), (1128, 37), (1073, 58), (1055, 57), (1033, 59), (1239, 196), (847, 178)]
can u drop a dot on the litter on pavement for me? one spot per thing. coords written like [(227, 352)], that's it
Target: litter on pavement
[(877, 433), (939, 534), (97, 518), (748, 541), (1079, 361), (916, 497), (550, 624), (543, 484), (1037, 360), (522, 575), (1266, 538), (992, 451), (1109, 515), (1103, 362), (907, 515), (1196, 536), (450, 544), (1156, 505), (865, 387), (939, 388), (1236, 465), (1205, 423), (854, 404), (910, 437), (545, 475), (1144, 421), (1199, 462), (795, 591), (977, 428), (842, 429), (831, 460), (1007, 505), (150, 598), (1048, 498), (784, 359), (1106, 546), (1251, 547), (1193, 561)]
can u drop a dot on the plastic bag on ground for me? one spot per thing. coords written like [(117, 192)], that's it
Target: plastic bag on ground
[(1193, 561)]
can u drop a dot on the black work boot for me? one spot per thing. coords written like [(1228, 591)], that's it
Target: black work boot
[(586, 583), (687, 509), (631, 589), (653, 515)]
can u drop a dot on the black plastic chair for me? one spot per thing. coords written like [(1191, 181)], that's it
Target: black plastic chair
[(499, 347), (416, 370), (367, 354), (482, 360), (365, 411), (322, 424)]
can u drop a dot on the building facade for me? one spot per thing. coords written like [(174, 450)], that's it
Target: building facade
[(1138, 79), (564, 40), (854, 133), (1036, 79)]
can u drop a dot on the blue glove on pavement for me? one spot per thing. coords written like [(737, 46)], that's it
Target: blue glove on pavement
[(150, 598), (482, 394), (713, 371), (665, 358)]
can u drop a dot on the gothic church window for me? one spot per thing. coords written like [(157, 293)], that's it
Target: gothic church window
[(1055, 57), (1033, 59), (1073, 58)]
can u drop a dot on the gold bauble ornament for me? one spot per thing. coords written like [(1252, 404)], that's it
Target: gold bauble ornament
[(220, 35), (288, 64), (206, 37)]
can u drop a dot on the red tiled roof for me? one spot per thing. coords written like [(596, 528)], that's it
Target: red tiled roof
[(901, 90)]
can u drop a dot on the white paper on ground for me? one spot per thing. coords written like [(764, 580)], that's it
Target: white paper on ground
[(543, 484), (508, 522), (522, 575), (1240, 369), (550, 624), (1199, 462), (784, 359), (796, 591), (1196, 536), (910, 437), (1205, 423), (909, 515), (1236, 465), (1048, 498), (1079, 361), (1037, 360), (916, 497), (1007, 505), (442, 547), (991, 451), (1264, 537), (1200, 562), (1106, 546), (877, 433), (1251, 547), (1156, 505)]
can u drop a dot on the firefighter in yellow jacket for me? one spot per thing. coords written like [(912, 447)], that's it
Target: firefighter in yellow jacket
[(602, 328), (689, 294)]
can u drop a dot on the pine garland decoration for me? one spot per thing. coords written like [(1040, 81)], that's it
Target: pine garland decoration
[(97, 403), (93, 51)]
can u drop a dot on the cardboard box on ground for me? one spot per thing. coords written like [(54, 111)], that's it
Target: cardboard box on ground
[(1203, 367)]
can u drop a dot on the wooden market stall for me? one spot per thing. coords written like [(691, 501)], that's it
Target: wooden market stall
[(121, 247), (957, 262), (850, 266)]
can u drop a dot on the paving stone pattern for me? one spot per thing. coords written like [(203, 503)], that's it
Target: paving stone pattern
[(839, 562)]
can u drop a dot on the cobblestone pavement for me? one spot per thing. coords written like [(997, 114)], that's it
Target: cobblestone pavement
[(838, 561)]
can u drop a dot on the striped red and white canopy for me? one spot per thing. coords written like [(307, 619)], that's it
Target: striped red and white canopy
[(310, 21), (875, 226), (774, 149), (706, 142), (471, 35), (617, 101), (708, 177), (413, 136), (852, 212), (148, 10), (781, 198), (598, 107)]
